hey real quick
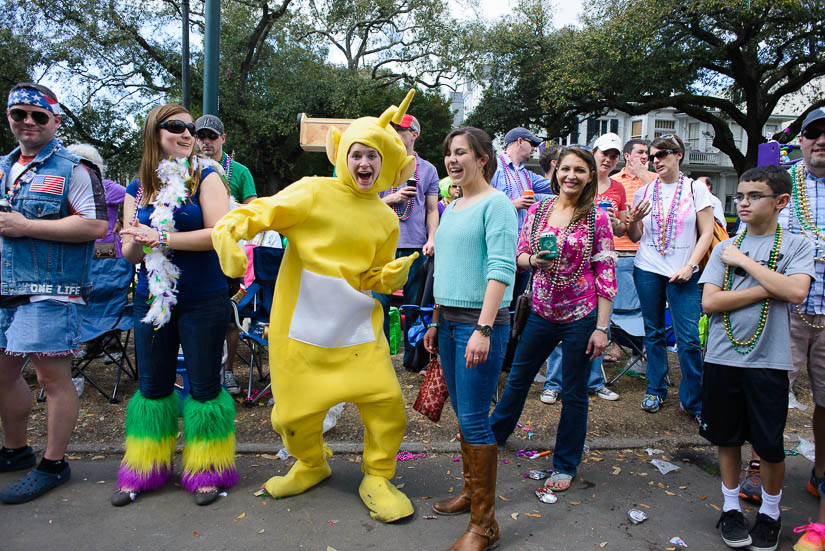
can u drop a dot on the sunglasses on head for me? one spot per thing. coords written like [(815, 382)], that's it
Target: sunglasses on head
[(177, 127), (813, 133), (661, 154), (19, 115), (207, 135)]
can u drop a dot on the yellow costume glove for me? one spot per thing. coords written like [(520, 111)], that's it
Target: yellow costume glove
[(232, 256), (394, 274)]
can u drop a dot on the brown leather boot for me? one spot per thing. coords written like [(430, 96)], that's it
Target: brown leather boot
[(482, 531), (461, 502)]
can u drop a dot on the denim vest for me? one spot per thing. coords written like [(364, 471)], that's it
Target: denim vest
[(35, 266)]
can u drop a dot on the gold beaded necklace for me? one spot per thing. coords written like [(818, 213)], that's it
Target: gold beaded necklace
[(803, 214)]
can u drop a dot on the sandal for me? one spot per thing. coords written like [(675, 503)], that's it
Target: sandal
[(558, 482), (34, 485)]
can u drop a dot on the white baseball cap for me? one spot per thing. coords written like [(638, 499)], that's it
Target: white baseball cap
[(608, 141)]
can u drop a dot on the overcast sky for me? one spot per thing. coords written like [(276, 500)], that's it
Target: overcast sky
[(567, 11)]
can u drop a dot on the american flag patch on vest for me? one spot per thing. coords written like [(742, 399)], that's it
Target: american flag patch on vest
[(48, 184)]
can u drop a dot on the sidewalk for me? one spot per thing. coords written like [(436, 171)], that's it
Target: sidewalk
[(591, 515)]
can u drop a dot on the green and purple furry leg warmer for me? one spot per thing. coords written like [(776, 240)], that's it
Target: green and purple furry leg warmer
[(209, 453), (151, 431)]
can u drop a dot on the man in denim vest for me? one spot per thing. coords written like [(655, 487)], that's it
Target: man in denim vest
[(50, 216)]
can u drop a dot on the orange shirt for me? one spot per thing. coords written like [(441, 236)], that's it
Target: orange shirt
[(631, 185)]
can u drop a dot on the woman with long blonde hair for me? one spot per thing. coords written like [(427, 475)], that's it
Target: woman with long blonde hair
[(180, 301)]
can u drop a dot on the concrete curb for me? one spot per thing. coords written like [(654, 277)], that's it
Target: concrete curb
[(345, 448)]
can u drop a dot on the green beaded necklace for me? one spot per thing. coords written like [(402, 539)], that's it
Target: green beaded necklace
[(744, 347)]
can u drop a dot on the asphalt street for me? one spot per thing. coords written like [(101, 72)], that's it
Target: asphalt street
[(591, 515)]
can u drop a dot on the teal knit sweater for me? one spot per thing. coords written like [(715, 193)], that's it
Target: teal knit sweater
[(473, 246)]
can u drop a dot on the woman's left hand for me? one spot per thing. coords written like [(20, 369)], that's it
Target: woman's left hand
[(477, 348), (142, 234), (682, 275), (596, 344)]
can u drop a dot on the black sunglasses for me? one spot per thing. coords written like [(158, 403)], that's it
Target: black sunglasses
[(808, 133), (661, 154), (177, 127), (207, 135), (19, 115)]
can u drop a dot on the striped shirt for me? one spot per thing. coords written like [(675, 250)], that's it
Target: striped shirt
[(790, 219)]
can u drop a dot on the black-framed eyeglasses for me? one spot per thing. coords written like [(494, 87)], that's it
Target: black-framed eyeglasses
[(661, 154), (207, 135), (812, 133), (753, 196), (19, 115), (177, 127)]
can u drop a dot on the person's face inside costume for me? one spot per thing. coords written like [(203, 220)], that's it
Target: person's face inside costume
[(364, 165)]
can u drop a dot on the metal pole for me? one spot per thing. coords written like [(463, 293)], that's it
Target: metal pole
[(184, 72), (211, 52)]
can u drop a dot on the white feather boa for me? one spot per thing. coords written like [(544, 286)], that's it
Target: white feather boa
[(162, 274)]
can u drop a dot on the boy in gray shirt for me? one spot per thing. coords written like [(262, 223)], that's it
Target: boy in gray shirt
[(751, 281)]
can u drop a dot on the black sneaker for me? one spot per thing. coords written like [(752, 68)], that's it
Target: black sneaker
[(765, 533), (734, 529)]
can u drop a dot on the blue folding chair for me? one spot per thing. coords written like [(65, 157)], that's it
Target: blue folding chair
[(106, 316)]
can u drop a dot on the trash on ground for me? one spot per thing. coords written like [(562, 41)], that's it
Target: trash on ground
[(806, 448), (407, 456), (794, 403), (654, 451), (332, 416), (283, 454), (546, 495), (514, 516), (616, 470), (536, 475), (637, 516), (664, 466), (430, 517), (676, 540)]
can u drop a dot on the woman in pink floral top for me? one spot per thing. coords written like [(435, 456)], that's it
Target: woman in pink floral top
[(571, 305)]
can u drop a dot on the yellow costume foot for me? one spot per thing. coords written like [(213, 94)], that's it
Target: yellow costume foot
[(299, 479), (385, 502)]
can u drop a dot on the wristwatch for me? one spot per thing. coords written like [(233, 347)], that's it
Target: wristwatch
[(602, 328), (695, 267), (485, 330)]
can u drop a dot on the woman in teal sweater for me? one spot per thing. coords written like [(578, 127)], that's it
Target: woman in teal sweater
[(475, 265)]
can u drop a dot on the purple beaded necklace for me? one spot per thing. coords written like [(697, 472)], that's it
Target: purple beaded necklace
[(663, 233), (516, 177)]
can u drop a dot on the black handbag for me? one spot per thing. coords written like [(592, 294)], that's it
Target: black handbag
[(524, 303)]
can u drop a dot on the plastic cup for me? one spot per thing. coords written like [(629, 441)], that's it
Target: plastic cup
[(528, 193)]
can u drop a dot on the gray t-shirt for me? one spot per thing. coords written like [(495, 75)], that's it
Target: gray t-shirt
[(796, 256)]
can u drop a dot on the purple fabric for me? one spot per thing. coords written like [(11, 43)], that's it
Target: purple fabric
[(114, 197), (414, 229), (129, 478), (221, 479)]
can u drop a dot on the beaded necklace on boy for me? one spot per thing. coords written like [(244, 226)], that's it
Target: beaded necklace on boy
[(408, 208), (744, 347), (664, 242), (27, 176), (545, 209), (516, 177), (227, 165)]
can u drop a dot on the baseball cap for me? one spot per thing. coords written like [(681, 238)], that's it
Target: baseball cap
[(408, 121), (520, 132), (210, 122), (608, 141), (813, 116)]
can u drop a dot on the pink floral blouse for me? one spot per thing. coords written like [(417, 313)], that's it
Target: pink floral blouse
[(597, 279)]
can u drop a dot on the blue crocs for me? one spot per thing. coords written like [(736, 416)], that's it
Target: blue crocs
[(19, 461), (34, 485)]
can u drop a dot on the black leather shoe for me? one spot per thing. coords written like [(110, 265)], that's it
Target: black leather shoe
[(121, 498), (206, 498)]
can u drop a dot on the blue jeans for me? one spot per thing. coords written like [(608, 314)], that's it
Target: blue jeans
[(197, 326), (411, 288), (471, 390), (538, 340), (553, 379), (685, 305)]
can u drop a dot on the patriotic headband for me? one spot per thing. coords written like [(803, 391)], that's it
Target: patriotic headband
[(32, 96)]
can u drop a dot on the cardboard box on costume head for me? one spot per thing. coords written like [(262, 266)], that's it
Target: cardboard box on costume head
[(379, 134)]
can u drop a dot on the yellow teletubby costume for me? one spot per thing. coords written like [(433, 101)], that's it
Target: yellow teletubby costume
[(326, 339)]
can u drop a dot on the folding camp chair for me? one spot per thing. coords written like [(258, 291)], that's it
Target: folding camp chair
[(257, 305), (107, 317)]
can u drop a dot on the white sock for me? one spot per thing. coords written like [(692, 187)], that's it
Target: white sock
[(770, 504), (731, 499)]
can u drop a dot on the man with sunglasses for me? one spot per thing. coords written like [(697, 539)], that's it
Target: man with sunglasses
[(806, 215), (50, 217), (415, 203), (210, 136)]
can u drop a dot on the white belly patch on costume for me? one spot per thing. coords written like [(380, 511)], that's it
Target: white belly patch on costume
[(330, 313)]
